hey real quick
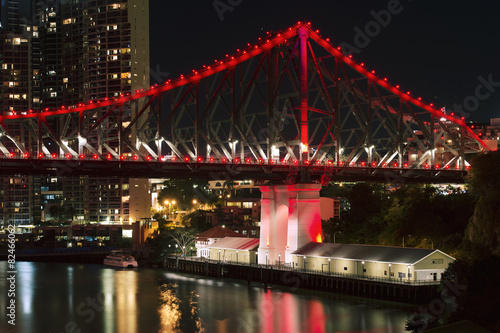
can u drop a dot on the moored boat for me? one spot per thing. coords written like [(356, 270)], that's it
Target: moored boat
[(120, 259)]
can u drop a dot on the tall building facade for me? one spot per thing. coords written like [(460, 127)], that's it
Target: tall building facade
[(83, 50), (19, 92)]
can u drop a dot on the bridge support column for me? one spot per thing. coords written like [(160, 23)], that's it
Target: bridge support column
[(290, 218)]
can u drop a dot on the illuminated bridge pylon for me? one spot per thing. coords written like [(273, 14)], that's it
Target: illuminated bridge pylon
[(290, 108)]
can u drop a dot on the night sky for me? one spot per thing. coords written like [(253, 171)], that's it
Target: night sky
[(437, 50)]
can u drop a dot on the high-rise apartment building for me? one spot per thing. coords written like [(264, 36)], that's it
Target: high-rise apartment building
[(19, 92), (87, 49)]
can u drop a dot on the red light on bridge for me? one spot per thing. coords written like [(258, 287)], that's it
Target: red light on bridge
[(82, 156), (211, 159), (374, 164), (351, 164), (236, 160), (108, 157), (341, 163), (384, 165), (54, 155), (199, 159), (224, 160), (457, 166), (283, 162), (295, 162), (68, 156), (174, 159), (186, 159), (467, 167), (306, 162), (318, 162), (330, 162), (95, 157), (271, 161), (447, 167), (363, 164), (261, 161), (11, 155), (122, 158), (395, 164), (26, 155), (248, 160), (436, 166), (40, 155), (405, 165), (426, 166)]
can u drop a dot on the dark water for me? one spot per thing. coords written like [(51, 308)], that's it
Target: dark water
[(53, 297)]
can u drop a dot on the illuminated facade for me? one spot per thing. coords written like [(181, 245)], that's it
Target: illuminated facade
[(290, 218), (19, 91), (75, 51), (110, 58)]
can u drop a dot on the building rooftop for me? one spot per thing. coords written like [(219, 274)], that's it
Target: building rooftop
[(389, 254), (237, 243), (218, 232)]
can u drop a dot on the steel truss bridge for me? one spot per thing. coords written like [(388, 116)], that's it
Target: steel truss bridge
[(289, 108)]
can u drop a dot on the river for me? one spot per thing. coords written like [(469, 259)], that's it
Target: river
[(55, 297)]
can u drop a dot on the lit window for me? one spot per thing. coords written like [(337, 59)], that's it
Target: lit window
[(125, 76)]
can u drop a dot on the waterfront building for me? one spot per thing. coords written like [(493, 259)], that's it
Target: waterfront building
[(208, 238), (372, 261), (235, 250)]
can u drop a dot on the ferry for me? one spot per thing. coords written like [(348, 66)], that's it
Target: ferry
[(120, 259)]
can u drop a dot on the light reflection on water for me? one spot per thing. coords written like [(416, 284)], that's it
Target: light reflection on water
[(93, 298)]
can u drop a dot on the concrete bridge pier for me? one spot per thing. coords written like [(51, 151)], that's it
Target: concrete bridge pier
[(290, 218)]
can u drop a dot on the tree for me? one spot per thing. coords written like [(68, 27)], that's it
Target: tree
[(183, 191), (484, 226), (197, 221), (184, 238)]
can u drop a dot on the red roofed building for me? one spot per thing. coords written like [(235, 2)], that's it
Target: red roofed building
[(205, 239)]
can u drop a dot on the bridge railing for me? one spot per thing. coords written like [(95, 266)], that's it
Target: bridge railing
[(234, 161)]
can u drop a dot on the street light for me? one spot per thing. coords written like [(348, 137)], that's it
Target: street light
[(304, 262), (279, 259), (329, 265), (266, 257), (219, 254), (236, 257)]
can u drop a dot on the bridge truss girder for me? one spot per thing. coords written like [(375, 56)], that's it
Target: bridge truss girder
[(250, 105)]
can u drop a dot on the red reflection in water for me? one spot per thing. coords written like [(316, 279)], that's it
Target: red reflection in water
[(317, 318)]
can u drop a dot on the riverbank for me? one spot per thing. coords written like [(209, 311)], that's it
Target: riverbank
[(87, 255), (270, 275)]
